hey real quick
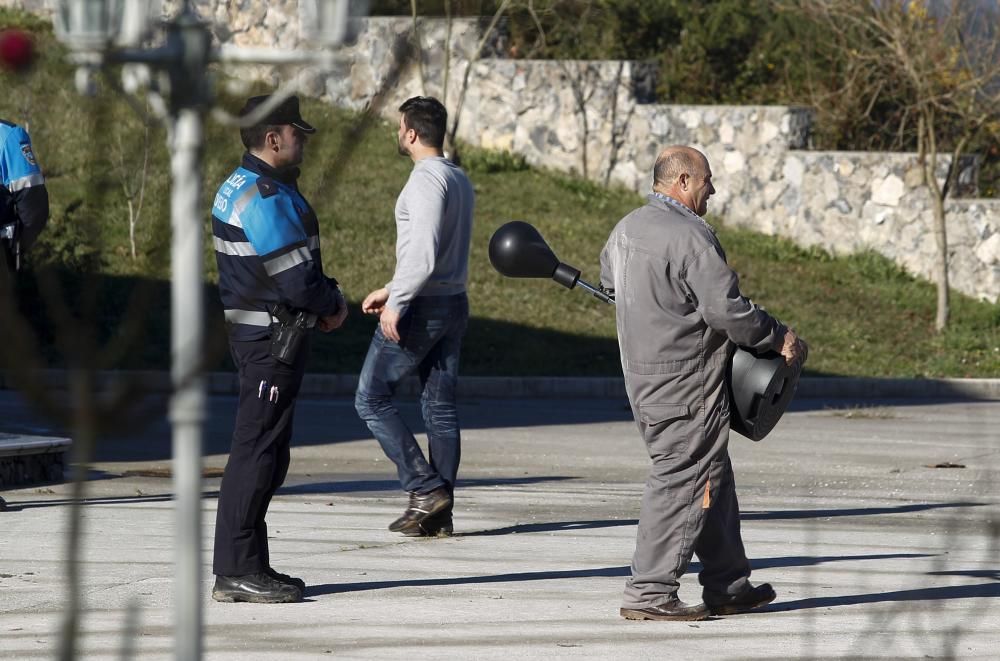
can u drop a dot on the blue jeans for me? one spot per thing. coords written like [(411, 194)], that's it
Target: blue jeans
[(431, 334)]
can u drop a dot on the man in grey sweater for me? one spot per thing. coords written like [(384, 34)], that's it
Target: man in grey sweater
[(680, 315), (423, 312)]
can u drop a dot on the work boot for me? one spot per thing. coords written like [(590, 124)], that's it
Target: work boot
[(675, 609), (422, 506), (749, 599), (285, 578), (257, 588)]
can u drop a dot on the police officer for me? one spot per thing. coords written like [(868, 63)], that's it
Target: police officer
[(680, 315), (24, 201), (273, 290)]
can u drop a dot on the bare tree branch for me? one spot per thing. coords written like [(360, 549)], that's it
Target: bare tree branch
[(923, 62)]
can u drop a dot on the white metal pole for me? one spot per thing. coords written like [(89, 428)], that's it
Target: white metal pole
[(187, 406), (185, 58)]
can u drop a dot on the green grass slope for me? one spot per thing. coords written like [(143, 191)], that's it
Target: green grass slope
[(861, 314)]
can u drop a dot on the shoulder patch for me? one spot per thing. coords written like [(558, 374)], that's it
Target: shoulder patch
[(28, 155), (267, 187)]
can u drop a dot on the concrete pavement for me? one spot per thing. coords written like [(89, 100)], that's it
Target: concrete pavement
[(874, 550)]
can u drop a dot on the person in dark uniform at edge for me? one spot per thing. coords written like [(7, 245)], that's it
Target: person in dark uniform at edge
[(272, 286), (24, 200), (680, 316)]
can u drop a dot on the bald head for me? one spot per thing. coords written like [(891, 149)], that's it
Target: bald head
[(675, 161), (683, 173)]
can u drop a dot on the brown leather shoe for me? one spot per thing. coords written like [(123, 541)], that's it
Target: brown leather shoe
[(436, 525), (744, 602), (675, 609), (422, 506)]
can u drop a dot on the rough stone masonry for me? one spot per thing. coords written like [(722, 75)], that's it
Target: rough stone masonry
[(598, 119)]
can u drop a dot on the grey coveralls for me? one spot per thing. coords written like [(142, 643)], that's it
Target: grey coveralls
[(680, 315)]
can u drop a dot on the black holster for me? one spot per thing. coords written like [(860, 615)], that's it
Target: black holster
[(289, 332)]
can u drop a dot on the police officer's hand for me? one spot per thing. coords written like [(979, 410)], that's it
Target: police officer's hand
[(794, 348), (374, 302), (334, 321)]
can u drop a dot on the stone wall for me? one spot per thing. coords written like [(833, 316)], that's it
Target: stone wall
[(850, 201), (597, 119)]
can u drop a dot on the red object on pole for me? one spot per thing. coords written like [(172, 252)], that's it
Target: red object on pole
[(17, 50)]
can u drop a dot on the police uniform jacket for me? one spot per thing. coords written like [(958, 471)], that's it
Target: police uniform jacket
[(24, 201), (267, 247)]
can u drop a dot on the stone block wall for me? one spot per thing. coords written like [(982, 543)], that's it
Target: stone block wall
[(597, 119), (570, 116), (851, 201)]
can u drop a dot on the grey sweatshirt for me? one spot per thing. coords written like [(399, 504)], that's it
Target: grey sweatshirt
[(433, 232)]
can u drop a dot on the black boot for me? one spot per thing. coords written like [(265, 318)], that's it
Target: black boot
[(743, 602), (257, 588), (286, 579)]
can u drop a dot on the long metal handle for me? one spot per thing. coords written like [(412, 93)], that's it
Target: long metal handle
[(598, 293)]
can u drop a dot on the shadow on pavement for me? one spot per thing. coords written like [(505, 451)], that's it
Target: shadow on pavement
[(14, 506), (336, 588), (145, 435), (861, 511), (604, 572), (354, 486), (328, 487), (979, 591), (555, 526), (972, 573), (809, 561)]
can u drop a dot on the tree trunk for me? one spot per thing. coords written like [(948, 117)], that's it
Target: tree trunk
[(131, 227), (928, 163), (418, 47), (941, 318), (453, 132)]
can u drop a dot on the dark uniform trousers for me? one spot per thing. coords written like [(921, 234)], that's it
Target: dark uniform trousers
[(258, 458)]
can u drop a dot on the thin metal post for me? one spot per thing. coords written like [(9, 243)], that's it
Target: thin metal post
[(189, 40), (185, 57), (187, 406)]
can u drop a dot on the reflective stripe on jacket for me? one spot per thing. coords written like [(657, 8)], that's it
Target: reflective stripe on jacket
[(266, 239)]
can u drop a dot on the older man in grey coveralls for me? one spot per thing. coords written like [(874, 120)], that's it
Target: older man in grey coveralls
[(680, 315)]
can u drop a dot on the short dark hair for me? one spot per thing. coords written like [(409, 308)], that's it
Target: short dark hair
[(428, 118), (253, 136)]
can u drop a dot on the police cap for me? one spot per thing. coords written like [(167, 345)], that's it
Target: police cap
[(287, 112)]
